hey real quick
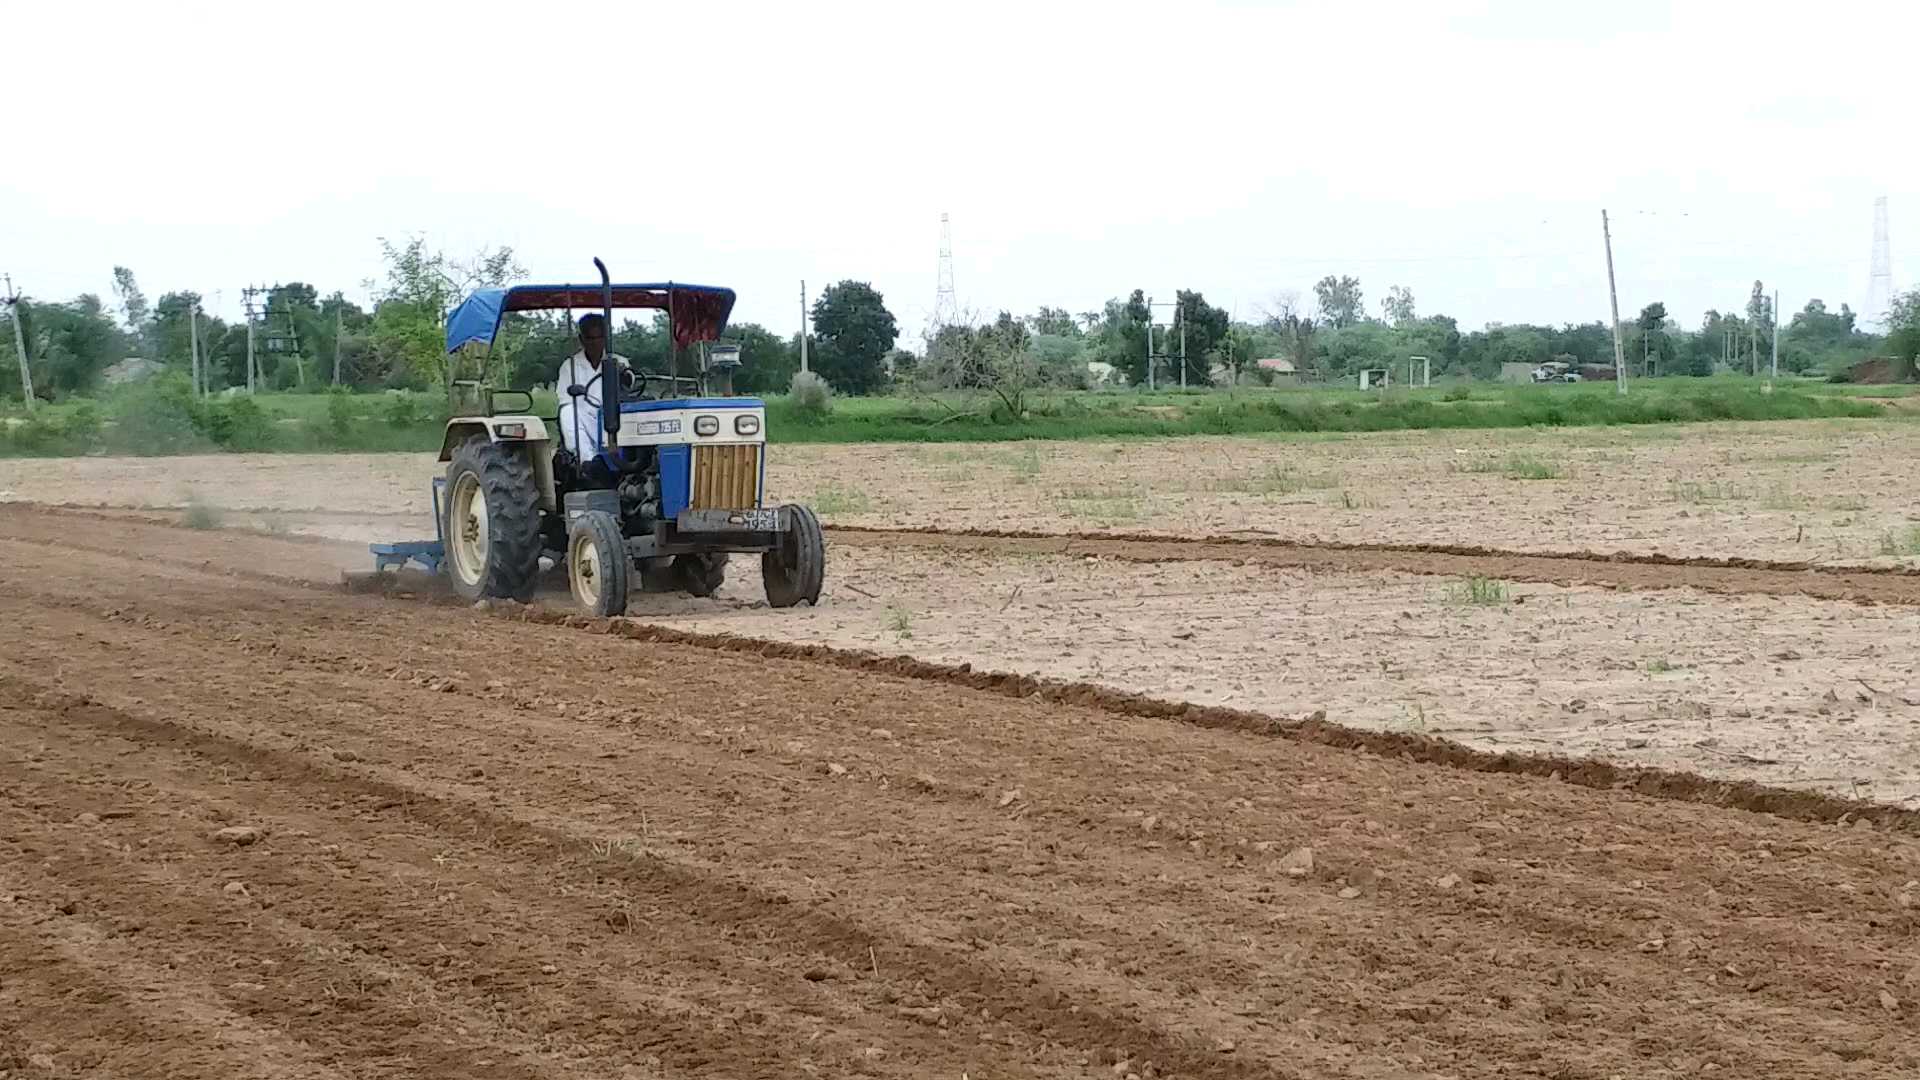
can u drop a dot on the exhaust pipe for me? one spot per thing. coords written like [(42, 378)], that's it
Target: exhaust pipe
[(609, 370)]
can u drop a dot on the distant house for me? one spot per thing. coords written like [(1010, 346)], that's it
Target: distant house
[(1279, 369)]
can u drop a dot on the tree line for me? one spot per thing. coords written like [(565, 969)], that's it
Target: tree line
[(306, 340)]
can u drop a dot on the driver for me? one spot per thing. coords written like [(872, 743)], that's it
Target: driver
[(582, 414)]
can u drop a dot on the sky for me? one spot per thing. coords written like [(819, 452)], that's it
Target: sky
[(1243, 149)]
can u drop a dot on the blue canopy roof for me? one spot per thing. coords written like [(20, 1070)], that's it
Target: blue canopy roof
[(698, 312)]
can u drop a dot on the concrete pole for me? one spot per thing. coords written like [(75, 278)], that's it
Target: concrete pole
[(20, 345), (250, 388), (1149, 343), (1183, 348), (1776, 338), (336, 343), (193, 347), (803, 325), (1613, 297)]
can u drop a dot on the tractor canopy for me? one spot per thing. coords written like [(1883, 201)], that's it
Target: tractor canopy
[(696, 312)]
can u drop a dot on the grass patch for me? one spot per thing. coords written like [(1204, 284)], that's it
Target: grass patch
[(834, 499), (162, 417), (900, 621), (1651, 402), (1478, 592), (1025, 466), (1901, 543), (1100, 505), (1350, 501), (1513, 467), (1278, 480), (201, 515), (1699, 493)]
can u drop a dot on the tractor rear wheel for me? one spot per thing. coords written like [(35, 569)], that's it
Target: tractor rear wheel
[(795, 568), (597, 564), (700, 575), (492, 525)]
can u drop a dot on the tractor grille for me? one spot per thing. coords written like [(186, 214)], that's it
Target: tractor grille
[(726, 477)]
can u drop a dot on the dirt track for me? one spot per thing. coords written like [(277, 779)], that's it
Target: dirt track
[(690, 862)]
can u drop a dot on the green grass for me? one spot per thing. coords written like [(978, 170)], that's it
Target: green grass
[(1478, 592), (1698, 493), (1514, 467), (1277, 480), (835, 500), (1318, 410), (152, 419), (1901, 543)]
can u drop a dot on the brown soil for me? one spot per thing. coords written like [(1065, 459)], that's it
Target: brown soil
[(1828, 492), (1724, 671), (259, 829)]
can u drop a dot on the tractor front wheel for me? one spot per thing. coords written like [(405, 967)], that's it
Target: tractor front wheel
[(492, 526), (795, 568), (597, 564)]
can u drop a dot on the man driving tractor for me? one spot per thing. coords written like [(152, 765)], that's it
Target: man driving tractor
[(580, 416)]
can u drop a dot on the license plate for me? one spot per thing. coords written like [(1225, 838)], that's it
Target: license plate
[(760, 520)]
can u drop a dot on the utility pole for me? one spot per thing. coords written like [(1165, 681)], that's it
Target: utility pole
[(1183, 344), (1776, 339), (803, 324), (336, 343), (193, 346), (1613, 297), (1753, 347), (1150, 343), (20, 344)]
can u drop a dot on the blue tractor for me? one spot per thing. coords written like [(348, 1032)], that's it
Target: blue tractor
[(670, 485)]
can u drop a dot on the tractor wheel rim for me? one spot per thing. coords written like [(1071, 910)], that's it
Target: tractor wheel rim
[(469, 529), (586, 566)]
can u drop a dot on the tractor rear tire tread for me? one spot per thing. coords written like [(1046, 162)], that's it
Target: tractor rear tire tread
[(513, 519)]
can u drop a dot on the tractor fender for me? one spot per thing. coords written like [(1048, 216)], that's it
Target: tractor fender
[(526, 434), (499, 429)]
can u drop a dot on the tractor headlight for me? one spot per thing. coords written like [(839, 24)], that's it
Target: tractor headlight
[(746, 425), (706, 425)]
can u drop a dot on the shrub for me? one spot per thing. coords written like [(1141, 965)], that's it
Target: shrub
[(236, 423), (812, 397)]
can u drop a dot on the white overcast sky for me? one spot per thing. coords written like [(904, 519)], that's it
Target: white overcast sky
[(1244, 149)]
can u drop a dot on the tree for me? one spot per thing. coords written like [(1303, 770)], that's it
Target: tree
[(411, 306), (133, 302), (68, 344), (855, 331), (1903, 335), (1293, 329), (1759, 324), (1398, 306), (1121, 339), (997, 358), (1654, 345), (1200, 328), (767, 363), (1817, 337), (1056, 321), (1340, 301)]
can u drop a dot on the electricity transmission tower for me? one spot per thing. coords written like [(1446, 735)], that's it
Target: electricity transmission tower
[(1880, 287), (946, 308)]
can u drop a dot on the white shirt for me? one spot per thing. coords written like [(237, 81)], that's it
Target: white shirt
[(583, 410)]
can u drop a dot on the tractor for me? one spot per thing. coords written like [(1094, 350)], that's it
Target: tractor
[(669, 486)]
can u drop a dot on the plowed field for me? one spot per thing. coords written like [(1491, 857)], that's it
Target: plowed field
[(256, 827)]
